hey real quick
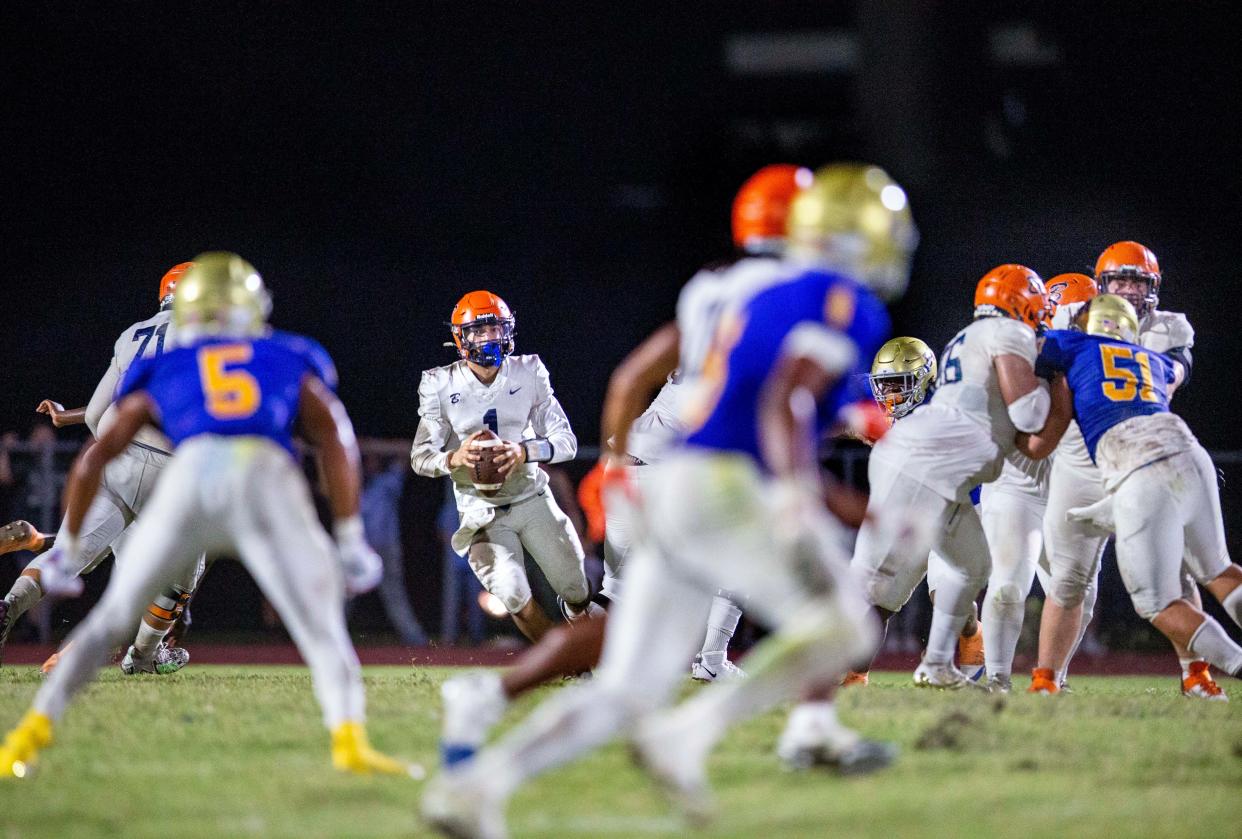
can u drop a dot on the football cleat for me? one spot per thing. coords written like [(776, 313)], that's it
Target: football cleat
[(21, 535), (942, 676), (52, 660), (1000, 684), (856, 678), (20, 749), (970, 654), (1199, 684), (1044, 681), (674, 755), (588, 611), (458, 806), (165, 661), (814, 738), (725, 671), (352, 752), (473, 704)]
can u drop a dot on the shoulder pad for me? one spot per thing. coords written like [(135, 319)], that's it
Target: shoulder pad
[(1172, 327)]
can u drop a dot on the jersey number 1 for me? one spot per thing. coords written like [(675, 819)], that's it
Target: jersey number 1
[(229, 394)]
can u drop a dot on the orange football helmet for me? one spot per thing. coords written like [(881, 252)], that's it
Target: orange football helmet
[(1130, 260), (1064, 289), (1013, 291), (473, 316), (168, 283), (762, 205)]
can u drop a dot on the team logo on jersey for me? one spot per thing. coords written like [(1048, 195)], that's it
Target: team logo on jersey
[(454, 398)]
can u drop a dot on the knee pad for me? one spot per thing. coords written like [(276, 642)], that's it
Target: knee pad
[(1008, 594), (1068, 590)]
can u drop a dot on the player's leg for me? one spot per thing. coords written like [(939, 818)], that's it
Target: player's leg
[(712, 661), (1072, 550), (961, 542), (148, 653), (1013, 525), (284, 547), (890, 555), (651, 635), (548, 534), (495, 556), (105, 519), (970, 646), (164, 545)]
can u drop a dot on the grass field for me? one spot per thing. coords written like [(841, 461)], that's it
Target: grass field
[(239, 751)]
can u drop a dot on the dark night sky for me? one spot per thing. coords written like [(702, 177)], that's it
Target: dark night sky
[(376, 164)]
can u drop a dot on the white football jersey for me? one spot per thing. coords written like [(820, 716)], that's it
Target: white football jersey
[(518, 405), (146, 338), (963, 436), (1159, 331), (660, 427)]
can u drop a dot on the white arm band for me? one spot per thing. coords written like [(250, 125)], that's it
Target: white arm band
[(1029, 412)]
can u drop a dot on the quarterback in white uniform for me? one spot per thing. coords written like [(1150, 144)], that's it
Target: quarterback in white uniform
[(1074, 547), (489, 388), (922, 471), (127, 484)]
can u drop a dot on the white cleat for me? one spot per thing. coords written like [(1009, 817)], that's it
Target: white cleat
[(1000, 684), (812, 739), (943, 676), (725, 671), (473, 704), (675, 760), (166, 661), (457, 807)]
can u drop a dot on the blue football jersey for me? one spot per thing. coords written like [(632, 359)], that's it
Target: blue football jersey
[(749, 346), (231, 386), (1111, 380)]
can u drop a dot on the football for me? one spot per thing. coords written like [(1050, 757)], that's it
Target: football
[(485, 474)]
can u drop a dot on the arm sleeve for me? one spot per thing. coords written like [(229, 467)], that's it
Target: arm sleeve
[(427, 455), (102, 397), (548, 418)]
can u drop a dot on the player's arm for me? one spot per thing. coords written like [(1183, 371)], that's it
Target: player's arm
[(1043, 443), (1026, 396), (133, 412), (105, 390), (554, 440), (61, 416), (326, 426), (427, 455), (630, 387)]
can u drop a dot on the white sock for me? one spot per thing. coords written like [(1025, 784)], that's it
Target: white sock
[(1003, 611), (1233, 605), (1211, 644), (24, 594), (721, 624), (1185, 663), (818, 721), (942, 638), (147, 639)]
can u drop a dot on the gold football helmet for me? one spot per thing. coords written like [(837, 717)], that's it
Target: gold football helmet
[(220, 294), (901, 375), (1110, 316), (854, 218)]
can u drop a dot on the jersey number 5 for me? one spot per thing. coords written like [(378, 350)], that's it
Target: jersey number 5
[(1110, 355), (228, 394)]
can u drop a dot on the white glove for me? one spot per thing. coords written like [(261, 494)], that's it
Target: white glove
[(361, 565), (54, 577)]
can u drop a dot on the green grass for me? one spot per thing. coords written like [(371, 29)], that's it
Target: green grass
[(238, 751)]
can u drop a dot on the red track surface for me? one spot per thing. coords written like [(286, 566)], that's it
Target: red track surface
[(1115, 664)]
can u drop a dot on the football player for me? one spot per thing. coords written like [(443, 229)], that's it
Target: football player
[(1011, 509), (228, 395), (1161, 482), (491, 388), (127, 483), (737, 507), (901, 378), (1074, 548), (922, 472), (474, 702)]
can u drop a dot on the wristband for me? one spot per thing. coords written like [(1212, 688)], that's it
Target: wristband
[(348, 529), (537, 450)]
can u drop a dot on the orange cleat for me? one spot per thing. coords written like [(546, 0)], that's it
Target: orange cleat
[(852, 678), (1200, 684), (970, 653), (21, 536), (1043, 680)]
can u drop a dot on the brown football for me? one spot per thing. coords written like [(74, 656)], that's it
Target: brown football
[(485, 474)]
